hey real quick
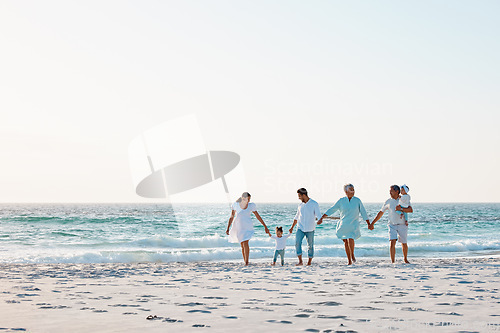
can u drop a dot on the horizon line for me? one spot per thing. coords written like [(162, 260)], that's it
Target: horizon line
[(212, 202)]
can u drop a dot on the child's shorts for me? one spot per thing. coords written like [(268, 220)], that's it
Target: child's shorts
[(399, 232)]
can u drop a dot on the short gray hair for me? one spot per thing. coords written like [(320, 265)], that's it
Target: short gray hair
[(346, 186)]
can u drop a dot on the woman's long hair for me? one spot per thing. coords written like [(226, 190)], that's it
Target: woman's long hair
[(244, 195)]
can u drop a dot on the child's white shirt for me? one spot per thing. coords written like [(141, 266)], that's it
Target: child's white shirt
[(404, 201), (281, 241)]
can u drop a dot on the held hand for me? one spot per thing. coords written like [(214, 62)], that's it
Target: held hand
[(290, 230), (406, 223), (398, 208), (227, 232), (267, 231), (319, 221)]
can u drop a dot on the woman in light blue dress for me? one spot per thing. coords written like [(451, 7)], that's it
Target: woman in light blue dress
[(350, 207)]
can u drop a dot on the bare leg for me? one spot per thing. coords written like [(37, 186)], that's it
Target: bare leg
[(393, 250), (351, 247), (309, 262), (347, 251), (300, 261), (243, 251), (405, 252), (247, 252)]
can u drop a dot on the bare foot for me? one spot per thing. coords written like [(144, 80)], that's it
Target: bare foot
[(406, 261), (299, 264), (273, 264), (309, 262), (350, 263), (353, 260)]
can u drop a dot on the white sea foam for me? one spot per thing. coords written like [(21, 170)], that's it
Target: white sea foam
[(137, 233), (160, 254)]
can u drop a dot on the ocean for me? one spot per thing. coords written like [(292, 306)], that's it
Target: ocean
[(128, 233)]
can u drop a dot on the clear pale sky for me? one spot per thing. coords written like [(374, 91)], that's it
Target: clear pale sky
[(309, 94)]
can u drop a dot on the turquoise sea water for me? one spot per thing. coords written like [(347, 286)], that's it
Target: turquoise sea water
[(93, 233)]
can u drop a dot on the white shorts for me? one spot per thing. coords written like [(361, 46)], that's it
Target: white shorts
[(399, 232)]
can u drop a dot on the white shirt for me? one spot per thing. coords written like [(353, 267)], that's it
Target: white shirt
[(395, 217), (404, 201), (306, 214), (281, 241)]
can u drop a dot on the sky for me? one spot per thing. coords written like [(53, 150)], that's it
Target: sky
[(309, 94)]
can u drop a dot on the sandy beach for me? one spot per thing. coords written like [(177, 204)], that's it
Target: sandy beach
[(445, 295)]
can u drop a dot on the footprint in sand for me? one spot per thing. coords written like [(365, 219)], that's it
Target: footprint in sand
[(279, 321), (337, 331), (331, 317), (189, 304), (230, 317), (302, 315), (26, 295), (54, 307), (449, 313), (365, 308), (125, 305), (330, 303), (199, 311), (410, 308), (172, 320)]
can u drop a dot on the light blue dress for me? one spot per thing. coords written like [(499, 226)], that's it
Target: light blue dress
[(348, 225)]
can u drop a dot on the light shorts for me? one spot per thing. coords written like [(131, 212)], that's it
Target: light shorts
[(399, 232)]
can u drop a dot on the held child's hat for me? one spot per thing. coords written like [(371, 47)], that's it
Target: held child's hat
[(406, 188)]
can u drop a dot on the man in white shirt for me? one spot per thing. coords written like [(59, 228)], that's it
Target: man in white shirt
[(398, 229), (307, 214)]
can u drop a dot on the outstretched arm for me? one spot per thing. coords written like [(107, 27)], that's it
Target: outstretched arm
[(262, 222), (330, 211), (321, 219), (379, 215), (362, 211), (230, 222)]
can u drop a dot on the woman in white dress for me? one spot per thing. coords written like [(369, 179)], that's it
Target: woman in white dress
[(242, 229)]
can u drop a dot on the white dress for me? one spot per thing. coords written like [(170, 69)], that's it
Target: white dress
[(242, 227)]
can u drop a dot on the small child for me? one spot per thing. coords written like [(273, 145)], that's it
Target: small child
[(280, 245), (404, 202)]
